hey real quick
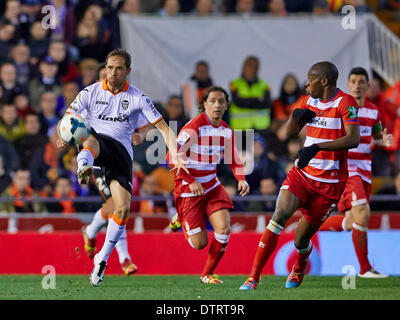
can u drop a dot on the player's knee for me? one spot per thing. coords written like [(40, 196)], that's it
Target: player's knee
[(122, 211), (281, 216), (226, 230), (198, 244), (301, 243)]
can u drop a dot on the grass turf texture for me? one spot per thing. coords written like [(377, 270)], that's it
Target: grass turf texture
[(138, 287)]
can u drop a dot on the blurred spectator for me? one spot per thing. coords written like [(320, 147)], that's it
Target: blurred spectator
[(46, 81), (376, 95), (21, 102), (38, 41), (65, 22), (251, 102), (169, 8), (9, 155), (264, 166), (11, 127), (289, 94), (277, 144), (67, 70), (321, 8), (46, 165), (69, 92), (63, 191), (393, 189), (93, 34), (5, 177), (20, 55), (277, 8), (335, 5), (268, 187), (31, 7), (360, 5), (88, 72), (101, 72), (244, 6), (20, 188), (300, 5), (8, 82), (390, 107), (7, 31), (30, 141), (193, 90), (150, 6), (175, 112), (15, 16), (150, 207), (203, 8), (48, 116), (395, 4), (231, 188), (131, 7)]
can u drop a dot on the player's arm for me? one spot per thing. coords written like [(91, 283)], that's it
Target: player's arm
[(139, 136), (381, 138), (170, 140), (300, 116)]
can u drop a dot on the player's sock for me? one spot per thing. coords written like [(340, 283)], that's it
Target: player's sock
[(97, 223), (115, 229), (85, 157), (216, 251), (122, 248), (302, 258), (359, 236), (266, 247), (333, 223)]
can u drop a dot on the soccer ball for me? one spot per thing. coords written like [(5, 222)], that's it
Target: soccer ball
[(74, 129)]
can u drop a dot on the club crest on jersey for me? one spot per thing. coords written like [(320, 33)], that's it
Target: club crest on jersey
[(352, 112), (125, 104)]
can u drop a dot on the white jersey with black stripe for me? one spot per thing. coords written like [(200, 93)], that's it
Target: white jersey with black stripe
[(116, 115)]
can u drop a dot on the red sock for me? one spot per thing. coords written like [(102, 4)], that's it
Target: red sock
[(359, 236), (301, 261), (217, 250), (333, 223), (265, 248)]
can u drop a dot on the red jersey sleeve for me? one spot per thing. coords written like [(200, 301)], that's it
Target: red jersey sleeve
[(348, 109)]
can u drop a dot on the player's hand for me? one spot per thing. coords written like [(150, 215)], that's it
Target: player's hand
[(60, 143), (196, 188), (179, 164), (138, 138), (243, 188), (303, 115), (387, 138), (306, 154)]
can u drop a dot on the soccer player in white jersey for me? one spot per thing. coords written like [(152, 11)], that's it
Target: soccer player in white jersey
[(100, 218), (112, 109), (355, 199)]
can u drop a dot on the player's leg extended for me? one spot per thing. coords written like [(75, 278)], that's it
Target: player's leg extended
[(359, 236), (287, 203), (220, 221), (303, 245), (85, 159), (115, 228)]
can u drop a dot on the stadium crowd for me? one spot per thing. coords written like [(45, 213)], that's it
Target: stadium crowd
[(42, 71)]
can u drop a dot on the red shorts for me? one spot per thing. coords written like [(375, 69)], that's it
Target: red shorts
[(193, 211), (356, 192), (318, 198)]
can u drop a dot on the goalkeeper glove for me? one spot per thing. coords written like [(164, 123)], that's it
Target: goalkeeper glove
[(306, 154), (303, 115)]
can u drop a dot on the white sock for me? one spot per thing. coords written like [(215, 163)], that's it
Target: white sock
[(114, 232), (122, 248), (85, 157), (97, 223)]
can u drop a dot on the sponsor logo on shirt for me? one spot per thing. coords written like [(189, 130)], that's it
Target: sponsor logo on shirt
[(102, 102), (319, 122), (121, 118)]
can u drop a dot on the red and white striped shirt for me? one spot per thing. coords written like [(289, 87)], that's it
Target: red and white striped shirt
[(360, 158), (204, 145), (328, 125)]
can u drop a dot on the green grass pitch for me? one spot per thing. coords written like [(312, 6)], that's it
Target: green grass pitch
[(188, 287)]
